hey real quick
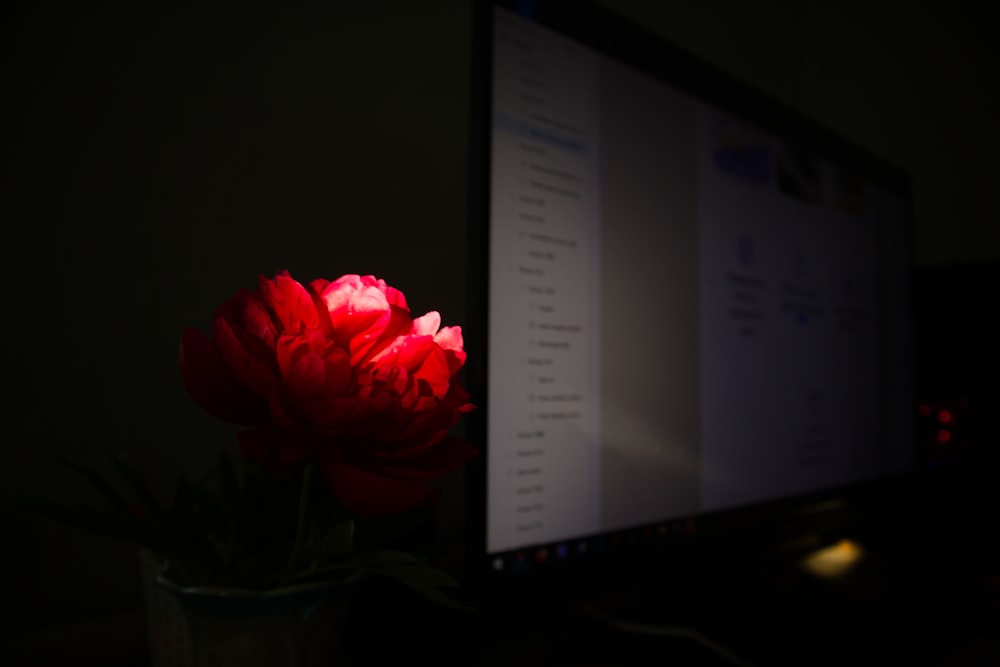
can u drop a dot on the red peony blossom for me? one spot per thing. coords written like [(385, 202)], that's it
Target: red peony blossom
[(338, 373)]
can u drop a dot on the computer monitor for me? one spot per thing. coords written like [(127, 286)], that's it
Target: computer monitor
[(690, 305)]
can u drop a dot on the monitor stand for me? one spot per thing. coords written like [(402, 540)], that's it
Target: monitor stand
[(926, 590)]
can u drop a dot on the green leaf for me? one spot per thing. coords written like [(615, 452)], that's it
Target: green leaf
[(229, 482), (316, 571), (108, 523), (101, 484), (304, 548), (419, 574), (54, 511), (337, 542), (181, 517), (440, 597), (428, 583), (139, 530), (139, 487), (386, 557), (416, 575)]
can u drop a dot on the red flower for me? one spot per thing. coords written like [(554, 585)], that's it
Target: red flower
[(336, 372)]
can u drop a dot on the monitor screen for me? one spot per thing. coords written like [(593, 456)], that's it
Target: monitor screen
[(690, 299)]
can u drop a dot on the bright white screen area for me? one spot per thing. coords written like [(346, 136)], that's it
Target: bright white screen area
[(684, 309)]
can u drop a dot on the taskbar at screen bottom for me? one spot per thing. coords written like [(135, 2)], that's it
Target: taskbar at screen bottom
[(577, 551)]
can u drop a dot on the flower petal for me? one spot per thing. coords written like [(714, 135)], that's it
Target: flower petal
[(246, 357), (307, 377), (365, 314), (289, 303), (370, 494), (446, 456), (339, 373), (450, 340), (427, 324), (211, 386)]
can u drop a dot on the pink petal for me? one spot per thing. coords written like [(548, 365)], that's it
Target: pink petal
[(306, 377), (427, 324), (210, 385), (289, 302), (349, 295), (334, 415), (450, 340), (366, 315), (281, 418), (250, 368), (425, 361), (339, 374), (318, 285), (255, 320)]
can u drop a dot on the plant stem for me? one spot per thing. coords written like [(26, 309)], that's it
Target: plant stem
[(305, 496)]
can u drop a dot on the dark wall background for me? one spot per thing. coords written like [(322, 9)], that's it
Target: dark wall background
[(916, 85), (158, 157)]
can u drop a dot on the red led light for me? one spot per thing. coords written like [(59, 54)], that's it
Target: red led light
[(945, 416), (943, 436), (924, 410)]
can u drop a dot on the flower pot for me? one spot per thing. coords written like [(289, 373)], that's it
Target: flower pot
[(297, 626)]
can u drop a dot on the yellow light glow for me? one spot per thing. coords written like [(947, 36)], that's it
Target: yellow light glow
[(833, 561)]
